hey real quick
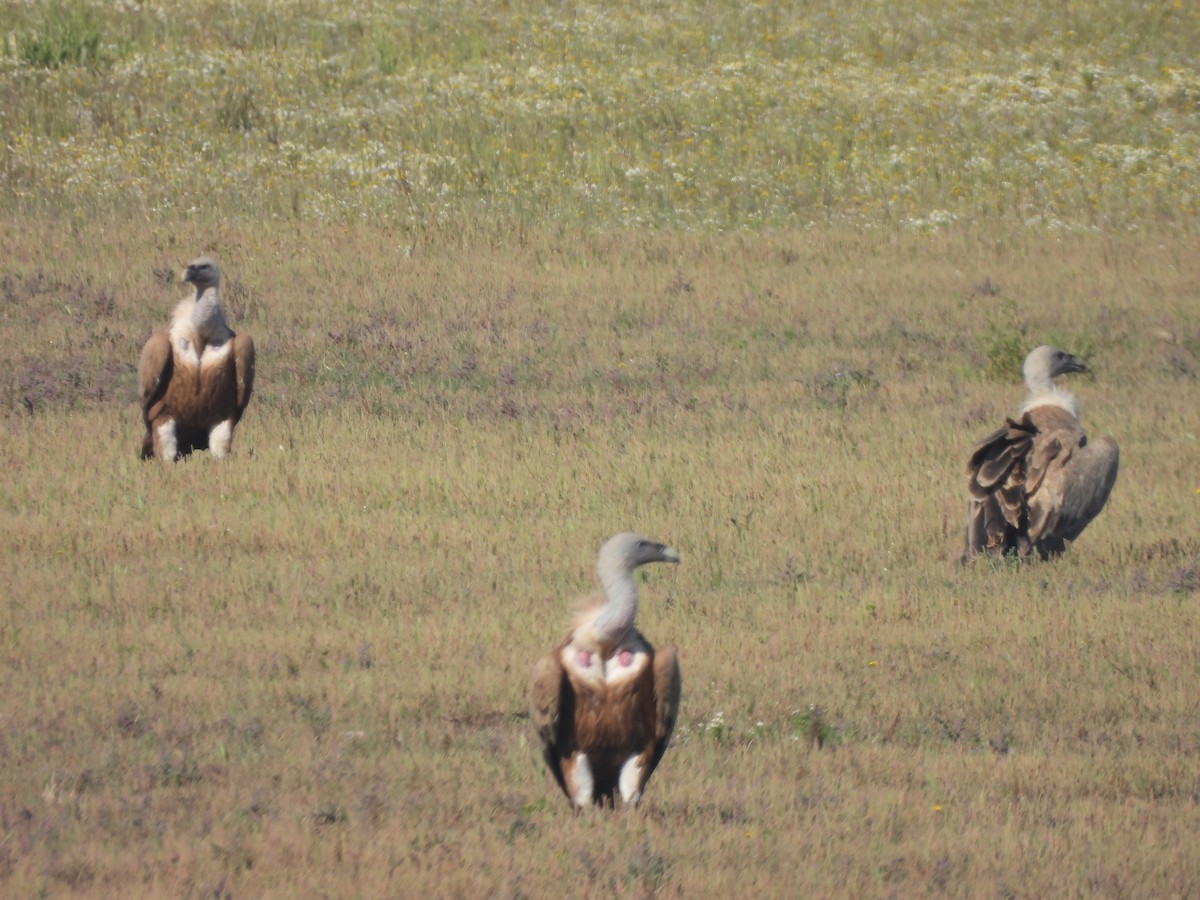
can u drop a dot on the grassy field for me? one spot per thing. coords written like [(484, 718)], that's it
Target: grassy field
[(485, 346), (700, 114)]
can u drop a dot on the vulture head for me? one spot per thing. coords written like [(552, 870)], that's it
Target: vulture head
[(620, 555), (1042, 366), (202, 272), (626, 551), (1048, 362)]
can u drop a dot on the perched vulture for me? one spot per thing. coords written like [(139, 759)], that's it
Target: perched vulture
[(195, 376), (604, 702), (1036, 483)]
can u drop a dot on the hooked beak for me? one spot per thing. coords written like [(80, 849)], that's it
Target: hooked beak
[(1076, 364)]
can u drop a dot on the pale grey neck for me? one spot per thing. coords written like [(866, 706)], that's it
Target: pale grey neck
[(1039, 383), (207, 316), (620, 592)]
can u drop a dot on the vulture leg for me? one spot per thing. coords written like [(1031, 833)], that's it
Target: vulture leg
[(161, 440), (220, 438)]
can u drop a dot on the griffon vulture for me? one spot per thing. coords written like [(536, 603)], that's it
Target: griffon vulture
[(604, 701), (1036, 483), (196, 375)]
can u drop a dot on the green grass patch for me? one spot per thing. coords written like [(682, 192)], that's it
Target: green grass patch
[(63, 35), (701, 116)]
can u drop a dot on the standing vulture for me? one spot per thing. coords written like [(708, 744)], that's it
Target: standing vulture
[(1036, 483), (604, 702), (195, 376)]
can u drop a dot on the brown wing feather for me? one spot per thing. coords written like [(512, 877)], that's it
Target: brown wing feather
[(668, 684), (1048, 452), (551, 709), (243, 356), (996, 482), (1095, 474), (995, 468), (1048, 468), (993, 459), (1073, 493), (154, 369)]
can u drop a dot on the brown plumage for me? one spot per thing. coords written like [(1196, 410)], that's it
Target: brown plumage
[(604, 701), (1038, 481), (195, 376)]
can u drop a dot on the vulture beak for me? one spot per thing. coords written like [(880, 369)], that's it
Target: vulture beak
[(1076, 364)]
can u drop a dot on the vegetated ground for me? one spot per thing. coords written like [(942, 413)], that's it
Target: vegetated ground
[(304, 668), (302, 671)]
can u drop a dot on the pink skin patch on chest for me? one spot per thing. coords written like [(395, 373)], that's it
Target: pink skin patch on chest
[(584, 659), (625, 657)]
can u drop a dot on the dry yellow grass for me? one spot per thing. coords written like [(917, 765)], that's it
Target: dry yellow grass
[(302, 671)]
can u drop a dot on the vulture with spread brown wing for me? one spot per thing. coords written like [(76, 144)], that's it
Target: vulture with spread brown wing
[(1037, 482)]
